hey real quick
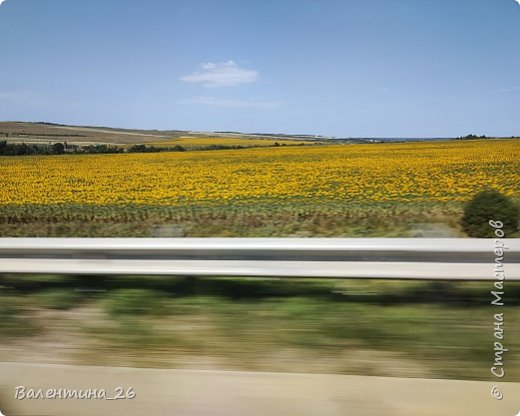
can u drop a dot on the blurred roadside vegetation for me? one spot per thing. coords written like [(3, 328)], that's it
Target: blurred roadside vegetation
[(383, 327), (305, 219)]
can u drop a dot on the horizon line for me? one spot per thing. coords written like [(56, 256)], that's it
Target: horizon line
[(259, 133)]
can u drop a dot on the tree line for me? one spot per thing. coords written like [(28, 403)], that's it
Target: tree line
[(24, 149)]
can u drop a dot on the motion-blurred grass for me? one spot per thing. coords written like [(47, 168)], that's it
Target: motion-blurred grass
[(400, 328)]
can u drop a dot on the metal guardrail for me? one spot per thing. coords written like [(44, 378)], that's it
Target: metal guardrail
[(397, 258)]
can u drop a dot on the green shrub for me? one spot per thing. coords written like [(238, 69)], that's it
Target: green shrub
[(489, 205)]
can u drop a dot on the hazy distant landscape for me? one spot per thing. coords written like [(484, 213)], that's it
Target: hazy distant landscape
[(49, 133)]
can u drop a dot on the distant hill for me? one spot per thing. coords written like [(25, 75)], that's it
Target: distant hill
[(45, 133)]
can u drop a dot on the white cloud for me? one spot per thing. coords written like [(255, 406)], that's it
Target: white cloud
[(231, 103), (518, 1), (1, 1), (226, 74)]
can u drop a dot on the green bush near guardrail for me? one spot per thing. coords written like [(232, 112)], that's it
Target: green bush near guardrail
[(489, 205)]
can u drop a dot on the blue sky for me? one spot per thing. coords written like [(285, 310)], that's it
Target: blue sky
[(349, 68)]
